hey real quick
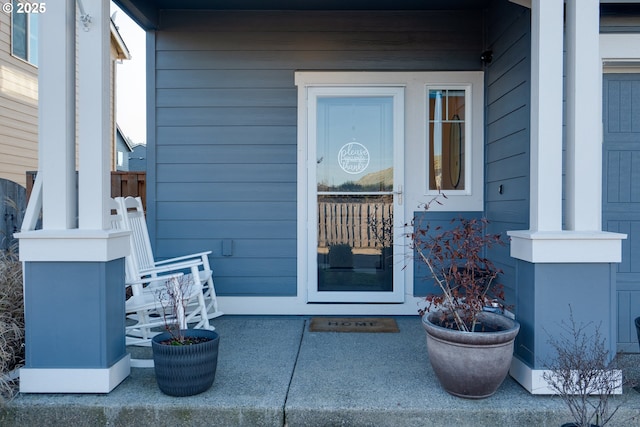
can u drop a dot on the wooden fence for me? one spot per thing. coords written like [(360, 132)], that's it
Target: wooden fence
[(12, 205), (130, 184), (123, 183), (360, 225)]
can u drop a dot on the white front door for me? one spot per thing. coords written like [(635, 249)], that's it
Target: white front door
[(355, 175)]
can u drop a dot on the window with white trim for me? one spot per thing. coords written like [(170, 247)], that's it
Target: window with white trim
[(447, 138)]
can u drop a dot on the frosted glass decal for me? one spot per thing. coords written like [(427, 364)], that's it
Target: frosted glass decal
[(353, 158)]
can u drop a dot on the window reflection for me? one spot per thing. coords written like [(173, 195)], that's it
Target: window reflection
[(446, 139), (355, 144), (355, 243)]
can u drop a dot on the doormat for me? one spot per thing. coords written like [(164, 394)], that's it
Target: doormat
[(353, 324)]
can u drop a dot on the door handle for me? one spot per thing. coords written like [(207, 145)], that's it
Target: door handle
[(398, 194)]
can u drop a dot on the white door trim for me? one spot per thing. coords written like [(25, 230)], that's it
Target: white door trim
[(620, 52), (415, 155), (313, 94)]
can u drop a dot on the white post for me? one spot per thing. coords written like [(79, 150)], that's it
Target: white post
[(546, 115), (94, 116), (584, 117), (64, 263), (178, 289), (56, 119)]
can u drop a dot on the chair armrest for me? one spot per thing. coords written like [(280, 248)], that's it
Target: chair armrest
[(198, 255), (172, 267), (153, 279)]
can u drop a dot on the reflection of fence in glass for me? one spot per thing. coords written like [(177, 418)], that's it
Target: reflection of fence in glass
[(360, 222)]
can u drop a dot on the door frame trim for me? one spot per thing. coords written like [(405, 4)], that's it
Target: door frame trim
[(620, 52), (313, 92), (414, 191)]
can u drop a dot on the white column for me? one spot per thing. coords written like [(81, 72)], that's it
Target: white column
[(545, 241), (94, 116), (584, 117), (546, 115), (56, 119)]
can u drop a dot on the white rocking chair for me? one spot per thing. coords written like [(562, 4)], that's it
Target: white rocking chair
[(142, 269), (143, 308)]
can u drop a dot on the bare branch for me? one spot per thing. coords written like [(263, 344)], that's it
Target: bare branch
[(582, 374)]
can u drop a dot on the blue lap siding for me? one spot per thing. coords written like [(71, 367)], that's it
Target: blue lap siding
[(507, 117), (224, 113)]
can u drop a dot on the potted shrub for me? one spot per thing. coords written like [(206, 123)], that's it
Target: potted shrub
[(469, 340), (185, 360)]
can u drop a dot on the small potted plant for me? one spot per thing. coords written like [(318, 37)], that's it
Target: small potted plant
[(185, 360), (469, 340)]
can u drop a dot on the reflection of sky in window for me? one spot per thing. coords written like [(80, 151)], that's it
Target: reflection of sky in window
[(343, 120), (446, 107)]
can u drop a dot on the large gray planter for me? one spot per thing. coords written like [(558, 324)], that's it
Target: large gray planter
[(185, 370), (471, 364)]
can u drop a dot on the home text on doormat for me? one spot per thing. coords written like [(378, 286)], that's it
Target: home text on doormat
[(353, 324)]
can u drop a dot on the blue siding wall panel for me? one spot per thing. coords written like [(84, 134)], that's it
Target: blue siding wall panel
[(200, 79), (225, 115), (438, 222), (211, 135), (507, 115), (230, 154)]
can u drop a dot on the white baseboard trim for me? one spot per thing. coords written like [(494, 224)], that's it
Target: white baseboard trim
[(529, 378), (142, 363), (70, 380), (532, 379)]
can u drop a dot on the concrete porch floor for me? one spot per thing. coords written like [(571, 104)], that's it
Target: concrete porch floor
[(273, 372)]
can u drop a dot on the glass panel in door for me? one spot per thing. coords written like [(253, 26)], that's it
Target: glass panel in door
[(355, 148)]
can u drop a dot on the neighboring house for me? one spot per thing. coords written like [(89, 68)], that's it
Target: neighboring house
[(18, 96), (138, 158), (265, 121), (119, 52), (19, 92), (123, 151)]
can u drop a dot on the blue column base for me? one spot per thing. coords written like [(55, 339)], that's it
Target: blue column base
[(546, 295), (74, 325)]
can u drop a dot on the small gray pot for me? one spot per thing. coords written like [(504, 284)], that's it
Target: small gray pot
[(471, 364), (185, 370)]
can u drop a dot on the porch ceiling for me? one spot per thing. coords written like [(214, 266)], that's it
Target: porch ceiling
[(146, 12)]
